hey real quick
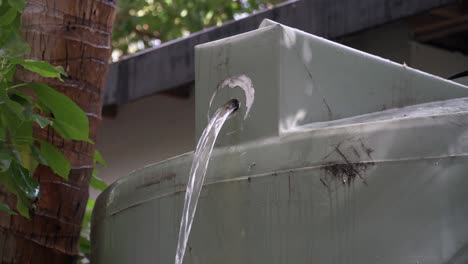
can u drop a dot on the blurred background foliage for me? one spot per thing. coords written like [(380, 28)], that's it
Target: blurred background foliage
[(142, 24)]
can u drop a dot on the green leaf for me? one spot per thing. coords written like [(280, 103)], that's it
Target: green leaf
[(5, 163), (6, 157), (21, 98), (85, 246), (2, 127), (36, 153), (24, 181), (19, 128), (6, 208), (68, 130), (23, 133), (26, 159), (15, 108), (9, 74), (23, 204), (89, 210), (55, 159), (98, 159), (84, 236), (8, 17), (27, 103), (97, 183), (12, 106), (13, 45), (17, 4), (61, 70), (41, 121), (69, 120), (39, 105), (40, 67)]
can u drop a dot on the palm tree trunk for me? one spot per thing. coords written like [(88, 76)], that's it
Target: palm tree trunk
[(76, 35)]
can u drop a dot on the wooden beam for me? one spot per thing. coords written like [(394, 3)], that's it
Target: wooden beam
[(172, 64), (441, 29), (451, 11)]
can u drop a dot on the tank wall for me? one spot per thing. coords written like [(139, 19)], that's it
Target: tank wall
[(399, 212)]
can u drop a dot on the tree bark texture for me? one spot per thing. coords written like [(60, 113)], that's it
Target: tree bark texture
[(75, 35)]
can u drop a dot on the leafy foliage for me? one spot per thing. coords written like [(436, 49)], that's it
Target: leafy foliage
[(85, 245), (145, 23), (26, 106), (97, 184)]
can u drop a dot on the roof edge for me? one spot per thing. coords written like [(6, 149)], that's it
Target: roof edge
[(172, 64)]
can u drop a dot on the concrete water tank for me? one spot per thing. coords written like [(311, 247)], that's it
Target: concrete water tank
[(344, 158)]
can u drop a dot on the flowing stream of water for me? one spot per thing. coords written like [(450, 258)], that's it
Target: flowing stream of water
[(200, 162)]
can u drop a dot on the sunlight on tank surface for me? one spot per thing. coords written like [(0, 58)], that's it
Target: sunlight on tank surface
[(343, 157)]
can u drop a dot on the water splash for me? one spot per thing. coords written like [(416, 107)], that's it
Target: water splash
[(200, 162)]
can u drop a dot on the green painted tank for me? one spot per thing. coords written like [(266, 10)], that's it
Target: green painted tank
[(344, 157)]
